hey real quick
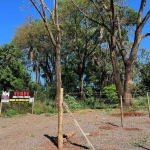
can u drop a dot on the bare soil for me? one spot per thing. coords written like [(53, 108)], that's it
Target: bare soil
[(38, 132)]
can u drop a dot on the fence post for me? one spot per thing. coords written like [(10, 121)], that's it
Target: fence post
[(0, 107), (148, 105), (32, 107), (121, 110), (60, 121)]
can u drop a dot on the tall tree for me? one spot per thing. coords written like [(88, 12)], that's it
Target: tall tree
[(114, 20), (43, 10), (32, 38), (145, 76), (13, 73), (81, 37)]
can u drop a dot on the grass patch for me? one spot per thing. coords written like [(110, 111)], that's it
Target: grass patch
[(141, 142)]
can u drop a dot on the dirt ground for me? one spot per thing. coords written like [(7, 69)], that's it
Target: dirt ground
[(104, 131)]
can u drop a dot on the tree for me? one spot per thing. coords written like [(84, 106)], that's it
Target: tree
[(81, 39), (145, 76), (114, 20), (32, 38), (55, 39), (13, 74)]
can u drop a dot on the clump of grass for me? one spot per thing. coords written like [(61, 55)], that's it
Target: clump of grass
[(46, 108), (11, 113), (141, 142), (140, 103)]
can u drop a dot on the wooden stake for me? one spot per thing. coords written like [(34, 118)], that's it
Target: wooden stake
[(0, 107), (148, 105), (77, 124), (60, 121), (121, 110), (32, 108)]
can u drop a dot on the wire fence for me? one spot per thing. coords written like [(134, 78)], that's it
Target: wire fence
[(93, 100)]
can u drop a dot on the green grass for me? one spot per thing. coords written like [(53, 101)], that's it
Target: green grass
[(47, 108), (141, 142), (15, 109)]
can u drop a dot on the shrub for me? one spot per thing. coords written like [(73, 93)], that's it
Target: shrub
[(72, 103), (11, 112), (110, 93)]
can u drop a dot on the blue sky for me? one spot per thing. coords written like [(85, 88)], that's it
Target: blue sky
[(145, 43), (14, 12)]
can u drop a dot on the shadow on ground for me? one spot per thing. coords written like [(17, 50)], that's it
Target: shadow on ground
[(52, 139)]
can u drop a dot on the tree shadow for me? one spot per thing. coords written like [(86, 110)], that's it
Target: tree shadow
[(78, 145), (52, 139)]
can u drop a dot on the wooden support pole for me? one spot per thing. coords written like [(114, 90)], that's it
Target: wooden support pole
[(0, 107), (121, 111), (60, 121), (32, 107), (148, 105), (77, 124)]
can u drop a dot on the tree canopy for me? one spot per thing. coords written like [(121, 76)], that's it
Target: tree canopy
[(13, 73)]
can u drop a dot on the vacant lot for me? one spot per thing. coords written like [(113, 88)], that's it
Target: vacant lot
[(38, 132)]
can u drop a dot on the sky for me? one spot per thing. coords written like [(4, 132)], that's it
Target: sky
[(14, 12)]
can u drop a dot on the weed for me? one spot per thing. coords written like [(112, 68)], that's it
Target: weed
[(31, 135), (141, 142), (34, 148), (11, 112)]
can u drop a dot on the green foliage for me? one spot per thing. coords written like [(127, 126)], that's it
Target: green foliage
[(13, 109), (47, 108), (131, 16), (90, 102), (140, 103), (38, 111), (13, 73), (145, 76), (72, 102), (110, 92), (11, 112), (142, 141), (89, 98)]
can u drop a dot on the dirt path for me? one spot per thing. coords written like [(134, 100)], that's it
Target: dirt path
[(37, 132)]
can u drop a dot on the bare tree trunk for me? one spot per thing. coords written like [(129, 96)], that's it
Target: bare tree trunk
[(81, 89), (56, 40), (58, 76), (127, 95)]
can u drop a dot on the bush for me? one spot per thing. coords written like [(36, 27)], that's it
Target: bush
[(72, 103), (11, 112), (40, 107), (110, 93), (140, 103)]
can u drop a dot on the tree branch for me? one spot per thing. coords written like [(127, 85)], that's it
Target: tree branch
[(43, 15), (145, 20), (88, 17), (145, 35), (143, 2)]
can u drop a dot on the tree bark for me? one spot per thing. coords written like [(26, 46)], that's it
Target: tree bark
[(127, 95), (58, 76), (116, 71), (55, 39)]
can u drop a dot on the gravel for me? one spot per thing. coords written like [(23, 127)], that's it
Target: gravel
[(38, 132)]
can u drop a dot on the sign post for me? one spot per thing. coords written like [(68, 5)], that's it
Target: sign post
[(148, 104)]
